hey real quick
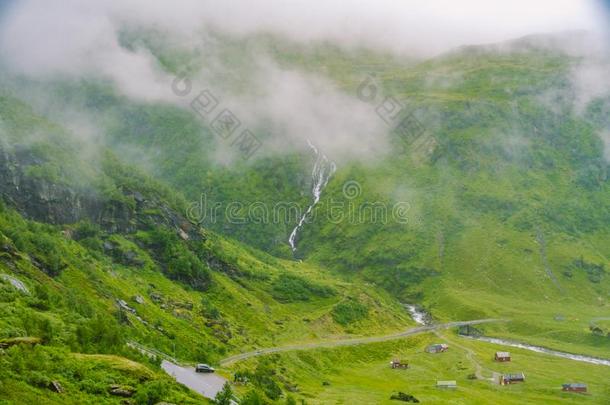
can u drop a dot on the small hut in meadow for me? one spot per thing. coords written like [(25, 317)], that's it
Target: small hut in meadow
[(507, 379), (574, 387), (446, 385), (437, 348), (396, 363), (502, 356)]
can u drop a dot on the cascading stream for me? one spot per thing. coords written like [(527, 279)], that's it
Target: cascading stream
[(418, 315), (322, 171), (538, 349)]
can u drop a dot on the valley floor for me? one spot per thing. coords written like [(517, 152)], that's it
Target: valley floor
[(361, 374)]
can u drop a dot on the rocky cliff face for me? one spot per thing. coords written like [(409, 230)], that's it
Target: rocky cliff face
[(51, 202), (37, 198)]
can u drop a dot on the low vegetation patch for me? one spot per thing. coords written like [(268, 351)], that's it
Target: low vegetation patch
[(178, 262), (349, 311), (594, 272), (264, 379), (289, 288), (401, 396), (47, 372)]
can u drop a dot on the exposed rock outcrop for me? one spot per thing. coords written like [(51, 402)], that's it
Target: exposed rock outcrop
[(57, 203), (40, 199)]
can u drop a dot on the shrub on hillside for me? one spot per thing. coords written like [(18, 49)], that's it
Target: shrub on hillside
[(209, 310), (253, 398), (85, 230), (151, 393), (225, 396), (401, 396), (263, 378), (594, 272), (349, 311), (179, 262), (290, 288), (100, 334)]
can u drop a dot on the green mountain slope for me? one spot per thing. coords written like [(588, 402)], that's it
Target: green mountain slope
[(510, 213), (506, 218), (115, 261)]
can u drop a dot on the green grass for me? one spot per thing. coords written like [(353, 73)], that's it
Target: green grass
[(509, 170), (27, 374), (75, 310), (361, 374)]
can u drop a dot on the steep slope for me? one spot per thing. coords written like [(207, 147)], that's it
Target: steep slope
[(507, 217), (108, 258), (510, 212)]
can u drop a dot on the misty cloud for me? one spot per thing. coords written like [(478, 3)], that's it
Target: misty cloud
[(48, 39), (59, 31), (76, 40), (606, 139), (591, 80), (294, 107)]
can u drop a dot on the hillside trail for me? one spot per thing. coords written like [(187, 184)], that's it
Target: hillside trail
[(470, 355)]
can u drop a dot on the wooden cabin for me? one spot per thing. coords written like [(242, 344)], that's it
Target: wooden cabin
[(398, 364), (506, 379), (446, 385), (437, 348), (574, 387), (502, 356)]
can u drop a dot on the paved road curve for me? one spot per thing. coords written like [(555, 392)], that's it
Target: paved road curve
[(208, 384), (354, 342)]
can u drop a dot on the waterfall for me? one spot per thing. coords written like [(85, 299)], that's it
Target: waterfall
[(322, 171), (417, 314)]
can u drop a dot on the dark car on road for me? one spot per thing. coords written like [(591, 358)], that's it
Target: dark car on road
[(204, 368)]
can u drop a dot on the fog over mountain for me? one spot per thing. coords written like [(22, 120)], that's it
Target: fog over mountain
[(327, 201), (69, 39), (421, 27)]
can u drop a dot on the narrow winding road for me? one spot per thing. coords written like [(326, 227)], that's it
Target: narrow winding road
[(206, 384), (355, 341), (209, 384)]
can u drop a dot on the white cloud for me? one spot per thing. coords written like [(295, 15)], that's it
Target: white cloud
[(75, 38), (58, 34), (591, 80), (295, 106)]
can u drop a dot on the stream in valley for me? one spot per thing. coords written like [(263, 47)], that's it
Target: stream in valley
[(538, 349)]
